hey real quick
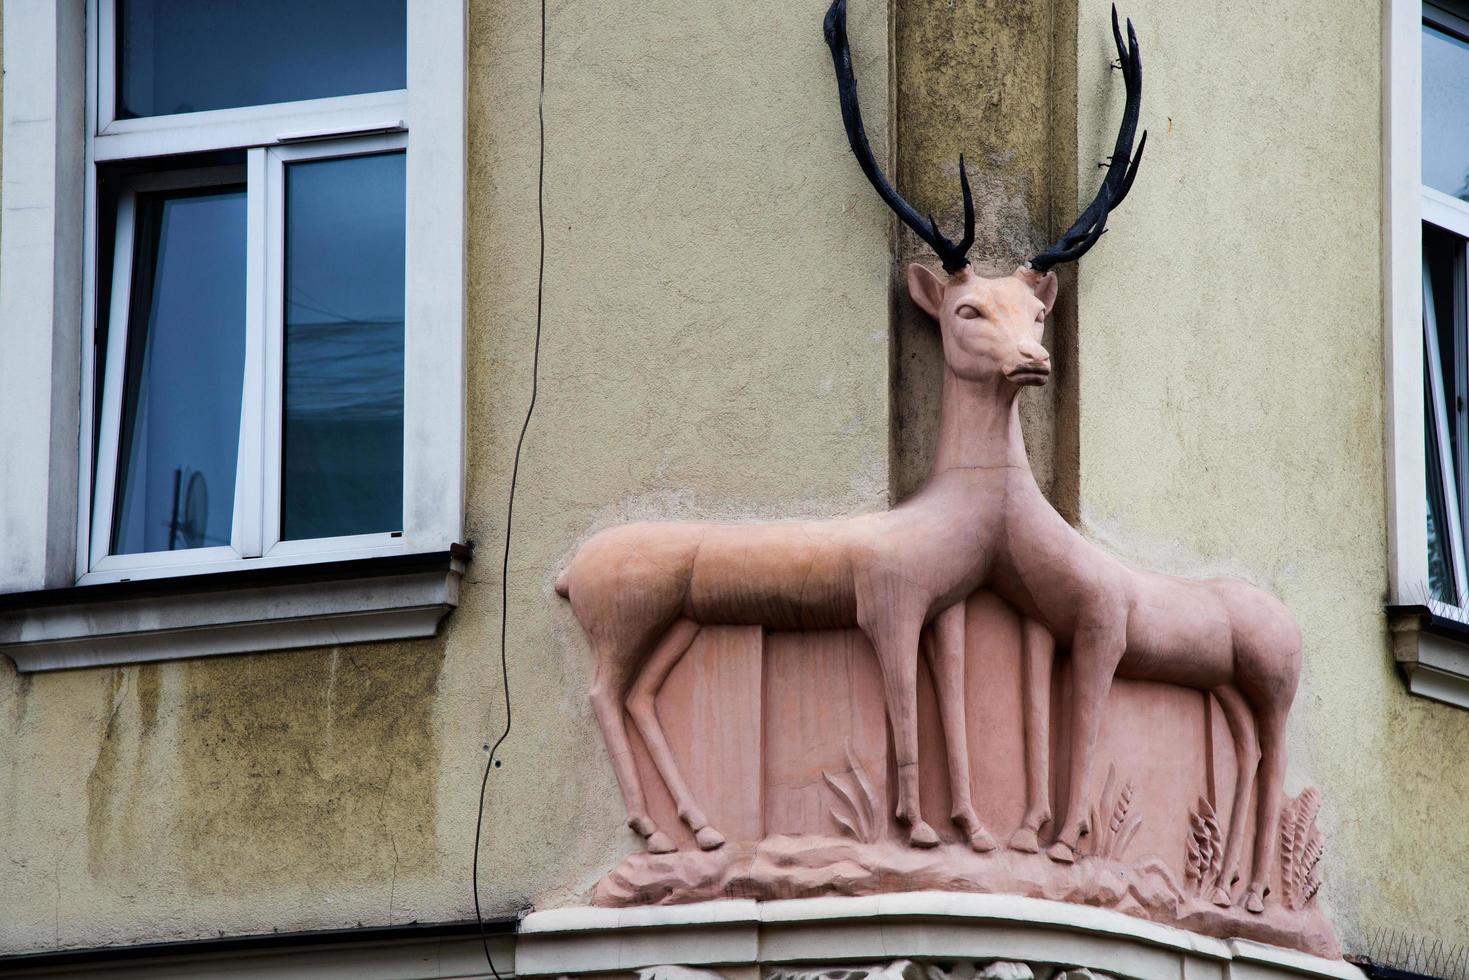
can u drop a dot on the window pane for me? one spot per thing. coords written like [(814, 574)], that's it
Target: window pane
[(1442, 257), (1444, 403), (1440, 568), (342, 470), (180, 424), (191, 55), (1445, 112)]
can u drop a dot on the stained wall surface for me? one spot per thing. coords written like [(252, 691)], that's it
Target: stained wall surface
[(715, 345)]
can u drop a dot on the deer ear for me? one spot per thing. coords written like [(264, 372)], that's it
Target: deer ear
[(1044, 286), (926, 288)]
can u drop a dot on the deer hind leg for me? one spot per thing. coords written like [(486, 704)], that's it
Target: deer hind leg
[(894, 635), (642, 706), (946, 662), (1037, 657), (1095, 653), (614, 670), (1247, 759), (1271, 793)]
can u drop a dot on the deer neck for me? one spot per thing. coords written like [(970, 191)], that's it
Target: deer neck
[(979, 426)]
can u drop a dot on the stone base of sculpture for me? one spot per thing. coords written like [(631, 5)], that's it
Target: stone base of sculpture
[(783, 737), (802, 867), (920, 935)]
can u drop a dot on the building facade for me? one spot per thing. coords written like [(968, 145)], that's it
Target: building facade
[(252, 692)]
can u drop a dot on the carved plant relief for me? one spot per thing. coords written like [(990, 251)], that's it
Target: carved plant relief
[(1205, 848), (1114, 822), (1301, 845), (816, 719), (856, 807)]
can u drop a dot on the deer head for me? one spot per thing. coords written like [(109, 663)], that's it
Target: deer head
[(992, 327)]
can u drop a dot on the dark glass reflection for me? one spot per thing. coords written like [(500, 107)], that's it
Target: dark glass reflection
[(1440, 569), (191, 55), (180, 424), (343, 431), (1445, 112), (1442, 256)]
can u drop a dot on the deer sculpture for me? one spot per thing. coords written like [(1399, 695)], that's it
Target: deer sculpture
[(641, 592)]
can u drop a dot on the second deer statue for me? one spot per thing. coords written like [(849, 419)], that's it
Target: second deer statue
[(641, 592)]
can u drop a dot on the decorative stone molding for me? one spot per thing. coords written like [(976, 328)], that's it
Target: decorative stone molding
[(913, 936)]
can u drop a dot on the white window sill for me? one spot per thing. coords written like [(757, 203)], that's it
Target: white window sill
[(270, 608), (1432, 651)]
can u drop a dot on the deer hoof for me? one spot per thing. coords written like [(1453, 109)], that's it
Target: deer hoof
[(981, 841), (1024, 839), (1255, 902), (708, 838), (1061, 853), (660, 843), (922, 835), (1220, 897)]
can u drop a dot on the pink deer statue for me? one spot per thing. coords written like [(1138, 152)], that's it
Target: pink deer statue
[(642, 591)]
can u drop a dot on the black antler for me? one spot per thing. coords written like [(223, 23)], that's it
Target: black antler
[(954, 257), (1121, 169)]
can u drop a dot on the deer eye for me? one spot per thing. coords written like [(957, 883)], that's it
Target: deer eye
[(967, 312)]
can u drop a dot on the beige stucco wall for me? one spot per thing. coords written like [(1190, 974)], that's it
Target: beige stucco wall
[(1231, 393), (715, 344)]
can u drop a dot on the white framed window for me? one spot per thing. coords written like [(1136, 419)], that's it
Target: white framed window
[(245, 350), (1445, 203), (1426, 162)]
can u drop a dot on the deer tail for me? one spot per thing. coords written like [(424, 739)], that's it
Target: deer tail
[(563, 584)]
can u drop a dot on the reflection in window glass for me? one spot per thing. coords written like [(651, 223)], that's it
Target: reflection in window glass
[(342, 471), (190, 55), (1446, 425), (1442, 257), (1440, 569), (180, 421), (1445, 112)]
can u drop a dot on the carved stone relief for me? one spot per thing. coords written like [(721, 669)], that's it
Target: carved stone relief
[(783, 704)]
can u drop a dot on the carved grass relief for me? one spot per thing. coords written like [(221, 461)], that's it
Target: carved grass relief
[(1301, 846), (855, 805), (1205, 848)]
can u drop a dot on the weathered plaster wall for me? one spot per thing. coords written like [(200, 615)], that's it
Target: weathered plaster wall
[(1230, 357), (715, 344)]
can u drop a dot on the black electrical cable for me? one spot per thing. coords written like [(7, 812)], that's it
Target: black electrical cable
[(490, 760)]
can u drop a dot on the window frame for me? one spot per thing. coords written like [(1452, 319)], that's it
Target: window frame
[(99, 521), (273, 135), (53, 141), (1430, 637)]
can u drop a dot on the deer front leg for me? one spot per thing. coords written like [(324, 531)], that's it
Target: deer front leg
[(1037, 657), (946, 662), (1095, 653), (894, 632)]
